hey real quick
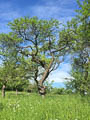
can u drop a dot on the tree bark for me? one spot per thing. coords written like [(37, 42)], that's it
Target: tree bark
[(16, 92), (41, 87), (46, 73), (42, 90), (3, 91)]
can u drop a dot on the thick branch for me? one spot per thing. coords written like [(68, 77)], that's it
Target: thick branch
[(22, 47), (57, 50), (46, 73), (36, 75)]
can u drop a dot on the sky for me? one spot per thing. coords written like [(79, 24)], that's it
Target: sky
[(63, 10)]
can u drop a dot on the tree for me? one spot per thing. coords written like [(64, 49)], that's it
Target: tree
[(5, 56), (78, 30), (19, 78), (13, 76), (14, 73), (39, 41), (3, 80), (80, 72)]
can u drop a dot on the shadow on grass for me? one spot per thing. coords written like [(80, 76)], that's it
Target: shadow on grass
[(1, 106)]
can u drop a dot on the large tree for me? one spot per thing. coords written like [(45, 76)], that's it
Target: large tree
[(39, 41)]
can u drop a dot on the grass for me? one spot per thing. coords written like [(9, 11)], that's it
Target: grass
[(54, 107)]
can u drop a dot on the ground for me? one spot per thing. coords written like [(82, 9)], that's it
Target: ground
[(28, 106)]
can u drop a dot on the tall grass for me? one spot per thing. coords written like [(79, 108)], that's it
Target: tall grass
[(54, 107)]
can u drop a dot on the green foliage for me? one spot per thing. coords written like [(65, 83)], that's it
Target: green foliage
[(13, 76), (61, 91), (36, 43), (35, 40), (79, 31), (81, 80)]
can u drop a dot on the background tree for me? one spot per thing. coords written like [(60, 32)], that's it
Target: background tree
[(14, 73), (79, 31), (13, 76), (4, 53)]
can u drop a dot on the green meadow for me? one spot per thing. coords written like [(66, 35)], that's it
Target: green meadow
[(28, 106)]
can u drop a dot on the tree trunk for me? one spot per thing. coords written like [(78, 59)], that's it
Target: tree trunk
[(16, 92), (42, 90), (41, 87), (46, 73), (3, 91)]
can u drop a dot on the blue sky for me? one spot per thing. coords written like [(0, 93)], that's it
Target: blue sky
[(62, 10)]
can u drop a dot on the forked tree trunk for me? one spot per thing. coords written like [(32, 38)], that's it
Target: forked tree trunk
[(41, 87), (3, 91)]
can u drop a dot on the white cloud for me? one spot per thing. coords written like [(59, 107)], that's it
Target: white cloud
[(4, 28), (61, 73), (52, 9), (66, 67), (58, 9), (59, 76), (7, 14), (45, 12)]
